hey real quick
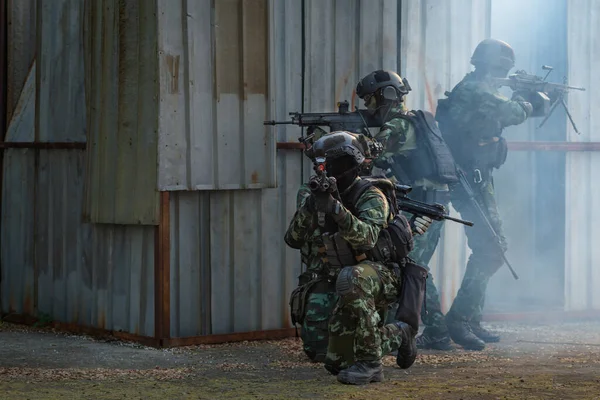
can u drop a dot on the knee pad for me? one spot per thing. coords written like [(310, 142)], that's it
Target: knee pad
[(344, 285)]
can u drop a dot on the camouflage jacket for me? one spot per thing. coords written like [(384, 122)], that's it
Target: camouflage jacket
[(361, 231), (477, 110), (398, 137)]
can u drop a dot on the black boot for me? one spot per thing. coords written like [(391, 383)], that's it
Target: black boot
[(407, 352), (361, 373), (461, 334), (483, 334), (434, 340)]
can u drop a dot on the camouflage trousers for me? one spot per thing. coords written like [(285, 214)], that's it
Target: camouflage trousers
[(357, 331), (424, 247), (486, 257), (319, 306)]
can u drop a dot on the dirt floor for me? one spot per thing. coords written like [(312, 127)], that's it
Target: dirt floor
[(558, 361)]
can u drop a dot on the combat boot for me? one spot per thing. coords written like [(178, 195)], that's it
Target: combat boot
[(361, 373), (461, 334), (407, 352), (483, 334), (432, 340)]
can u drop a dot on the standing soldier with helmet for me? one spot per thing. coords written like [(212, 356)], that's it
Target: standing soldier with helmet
[(471, 119), (414, 154)]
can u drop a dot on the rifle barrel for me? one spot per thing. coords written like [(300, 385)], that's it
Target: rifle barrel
[(460, 221), (273, 122)]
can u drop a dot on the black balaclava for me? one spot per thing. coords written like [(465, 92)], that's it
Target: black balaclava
[(344, 169)]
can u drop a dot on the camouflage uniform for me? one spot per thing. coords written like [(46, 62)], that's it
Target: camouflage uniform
[(472, 119), (398, 138), (356, 329), (322, 297)]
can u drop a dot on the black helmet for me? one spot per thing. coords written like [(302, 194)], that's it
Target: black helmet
[(338, 144), (494, 53), (380, 79)]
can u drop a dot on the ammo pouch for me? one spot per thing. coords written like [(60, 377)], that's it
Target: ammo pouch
[(298, 302), (412, 294), (394, 242), (500, 152), (338, 252), (492, 155)]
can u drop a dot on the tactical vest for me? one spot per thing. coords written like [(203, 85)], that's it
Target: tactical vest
[(395, 241), (431, 159)]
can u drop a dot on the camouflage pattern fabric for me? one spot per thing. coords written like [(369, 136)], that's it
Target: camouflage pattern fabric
[(315, 327), (477, 110), (322, 297), (486, 257), (398, 137), (474, 114), (356, 329)]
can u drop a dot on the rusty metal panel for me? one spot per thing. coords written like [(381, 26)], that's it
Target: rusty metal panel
[(21, 34), (436, 42), (121, 68), (230, 269), (582, 277), (60, 107), (346, 40), (213, 75), (56, 265)]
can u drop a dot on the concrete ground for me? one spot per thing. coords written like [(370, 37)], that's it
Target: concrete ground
[(532, 362)]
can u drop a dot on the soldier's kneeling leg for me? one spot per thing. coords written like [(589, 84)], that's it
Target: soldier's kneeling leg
[(319, 308)]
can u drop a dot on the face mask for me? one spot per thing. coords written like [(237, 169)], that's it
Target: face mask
[(371, 103)]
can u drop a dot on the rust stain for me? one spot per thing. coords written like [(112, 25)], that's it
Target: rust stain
[(254, 177), (102, 320), (353, 99), (28, 302), (342, 82), (430, 99), (173, 73)]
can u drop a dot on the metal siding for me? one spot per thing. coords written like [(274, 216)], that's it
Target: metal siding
[(213, 95), (121, 80), (582, 277), (53, 262), (230, 269), (60, 73), (21, 35), (436, 41)]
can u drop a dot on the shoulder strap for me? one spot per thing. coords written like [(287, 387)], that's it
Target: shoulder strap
[(351, 197)]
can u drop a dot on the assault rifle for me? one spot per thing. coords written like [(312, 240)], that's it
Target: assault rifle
[(320, 182), (540, 92), (435, 211), (464, 183), (342, 120)]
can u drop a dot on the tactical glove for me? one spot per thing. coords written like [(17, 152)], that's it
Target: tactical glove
[(420, 224)]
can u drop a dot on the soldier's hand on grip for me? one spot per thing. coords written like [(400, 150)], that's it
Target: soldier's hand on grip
[(419, 225)]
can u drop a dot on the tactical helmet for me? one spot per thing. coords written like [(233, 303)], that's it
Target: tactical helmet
[(338, 144), (494, 53), (380, 79)]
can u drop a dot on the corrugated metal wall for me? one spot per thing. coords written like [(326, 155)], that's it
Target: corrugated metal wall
[(213, 76), (582, 276), (122, 107), (230, 269), (52, 262), (437, 39)]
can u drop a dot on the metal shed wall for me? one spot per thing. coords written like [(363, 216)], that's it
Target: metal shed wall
[(213, 77), (121, 70), (437, 38), (230, 269), (53, 263), (582, 276)]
